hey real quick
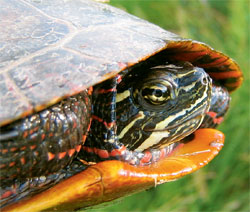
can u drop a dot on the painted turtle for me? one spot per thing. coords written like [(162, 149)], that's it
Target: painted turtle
[(150, 103)]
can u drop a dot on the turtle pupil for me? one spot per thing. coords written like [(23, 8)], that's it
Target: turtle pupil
[(157, 93)]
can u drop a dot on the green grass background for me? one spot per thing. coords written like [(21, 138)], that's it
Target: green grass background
[(223, 185)]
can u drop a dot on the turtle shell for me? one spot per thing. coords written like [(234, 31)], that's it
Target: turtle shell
[(54, 49), (50, 50)]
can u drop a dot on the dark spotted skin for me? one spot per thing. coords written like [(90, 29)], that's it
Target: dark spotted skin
[(35, 151)]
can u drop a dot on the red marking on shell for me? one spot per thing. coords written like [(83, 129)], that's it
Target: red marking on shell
[(50, 156), (4, 151), (116, 152), (102, 91), (32, 147), (13, 149), (233, 84), (103, 153), (225, 75), (51, 134), (12, 164), (216, 62), (78, 148), (6, 194), (61, 155), (22, 160), (146, 158), (71, 152)]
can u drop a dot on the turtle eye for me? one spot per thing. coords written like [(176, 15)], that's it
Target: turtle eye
[(156, 93)]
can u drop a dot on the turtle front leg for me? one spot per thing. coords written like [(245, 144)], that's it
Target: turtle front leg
[(34, 149), (45, 142)]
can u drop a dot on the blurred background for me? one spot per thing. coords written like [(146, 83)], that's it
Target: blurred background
[(223, 185)]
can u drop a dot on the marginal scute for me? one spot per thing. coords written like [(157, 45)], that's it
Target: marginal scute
[(220, 67)]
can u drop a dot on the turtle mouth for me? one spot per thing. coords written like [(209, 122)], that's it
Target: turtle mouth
[(161, 138), (184, 122)]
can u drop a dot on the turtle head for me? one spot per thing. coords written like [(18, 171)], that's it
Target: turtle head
[(161, 105)]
